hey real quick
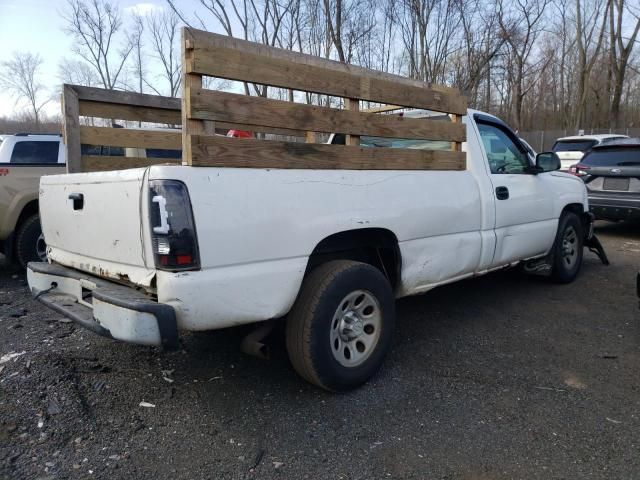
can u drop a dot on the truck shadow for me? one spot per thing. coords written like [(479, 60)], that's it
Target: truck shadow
[(478, 317)]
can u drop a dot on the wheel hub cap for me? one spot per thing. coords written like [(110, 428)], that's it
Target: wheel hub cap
[(570, 247), (355, 328), (351, 327)]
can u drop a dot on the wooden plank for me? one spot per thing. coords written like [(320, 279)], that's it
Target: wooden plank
[(90, 108), (250, 153), (128, 137), (126, 98), (456, 146), (191, 85), (204, 39), (95, 163), (231, 107), (71, 128), (352, 105), (383, 108), (220, 59)]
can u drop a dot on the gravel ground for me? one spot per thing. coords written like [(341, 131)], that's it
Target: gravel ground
[(498, 377)]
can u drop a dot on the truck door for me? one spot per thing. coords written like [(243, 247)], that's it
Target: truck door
[(524, 225)]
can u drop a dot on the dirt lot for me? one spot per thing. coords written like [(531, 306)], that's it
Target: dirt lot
[(499, 377)]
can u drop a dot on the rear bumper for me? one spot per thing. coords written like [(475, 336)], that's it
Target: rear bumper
[(104, 307), (615, 208)]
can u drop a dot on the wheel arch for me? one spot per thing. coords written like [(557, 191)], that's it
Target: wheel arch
[(375, 246), (584, 215), (31, 208)]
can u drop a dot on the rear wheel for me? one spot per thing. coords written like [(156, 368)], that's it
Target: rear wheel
[(30, 245), (568, 246), (339, 329)]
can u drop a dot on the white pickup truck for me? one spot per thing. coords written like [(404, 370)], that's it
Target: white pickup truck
[(140, 254)]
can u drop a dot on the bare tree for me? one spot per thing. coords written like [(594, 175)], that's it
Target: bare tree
[(591, 21), (20, 77), (521, 25), (77, 72), (619, 52), (95, 26), (165, 40), (136, 40)]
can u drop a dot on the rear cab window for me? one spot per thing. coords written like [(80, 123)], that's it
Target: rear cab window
[(573, 145), (28, 152)]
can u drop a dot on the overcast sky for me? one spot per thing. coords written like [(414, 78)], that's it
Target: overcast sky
[(36, 26)]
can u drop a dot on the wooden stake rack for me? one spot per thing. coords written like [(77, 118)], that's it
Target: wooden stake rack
[(202, 111)]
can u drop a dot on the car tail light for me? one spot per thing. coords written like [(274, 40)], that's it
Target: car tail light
[(173, 231), (580, 170)]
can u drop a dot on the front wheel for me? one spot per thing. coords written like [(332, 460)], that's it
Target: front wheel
[(567, 248), (339, 329)]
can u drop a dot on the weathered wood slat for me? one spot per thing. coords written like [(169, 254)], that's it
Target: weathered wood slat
[(210, 40), (91, 108), (223, 57), (219, 151), (127, 137), (230, 107), (383, 108), (94, 163), (71, 129), (353, 105), (126, 98)]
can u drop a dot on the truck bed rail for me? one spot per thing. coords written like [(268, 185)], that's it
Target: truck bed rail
[(202, 111)]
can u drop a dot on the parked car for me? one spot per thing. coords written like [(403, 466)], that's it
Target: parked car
[(572, 149), (611, 173), (24, 158)]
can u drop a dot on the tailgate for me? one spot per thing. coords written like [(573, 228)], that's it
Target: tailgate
[(92, 222)]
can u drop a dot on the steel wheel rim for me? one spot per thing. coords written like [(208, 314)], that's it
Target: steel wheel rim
[(41, 248), (570, 247), (355, 328)]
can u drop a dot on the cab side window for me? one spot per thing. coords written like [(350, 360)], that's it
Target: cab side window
[(504, 155)]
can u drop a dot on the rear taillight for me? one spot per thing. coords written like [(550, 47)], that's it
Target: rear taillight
[(580, 169), (173, 231)]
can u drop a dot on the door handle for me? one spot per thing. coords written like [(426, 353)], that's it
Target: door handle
[(78, 200), (502, 193)]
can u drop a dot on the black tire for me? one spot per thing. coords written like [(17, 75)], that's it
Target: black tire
[(567, 255), (311, 323), (27, 241)]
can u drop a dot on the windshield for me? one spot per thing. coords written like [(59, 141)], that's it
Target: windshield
[(573, 145), (610, 157)]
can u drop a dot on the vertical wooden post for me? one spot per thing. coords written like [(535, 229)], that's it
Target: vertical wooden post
[(309, 137), (191, 83), (71, 129), (354, 105), (456, 146)]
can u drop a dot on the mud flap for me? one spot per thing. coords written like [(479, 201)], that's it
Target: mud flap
[(594, 245)]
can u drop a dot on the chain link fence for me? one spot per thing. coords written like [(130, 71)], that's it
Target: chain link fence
[(543, 140)]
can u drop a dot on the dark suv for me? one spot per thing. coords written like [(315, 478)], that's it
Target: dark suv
[(611, 173)]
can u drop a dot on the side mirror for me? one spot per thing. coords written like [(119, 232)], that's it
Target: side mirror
[(547, 162)]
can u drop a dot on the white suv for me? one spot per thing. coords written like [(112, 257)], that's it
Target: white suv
[(572, 149)]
